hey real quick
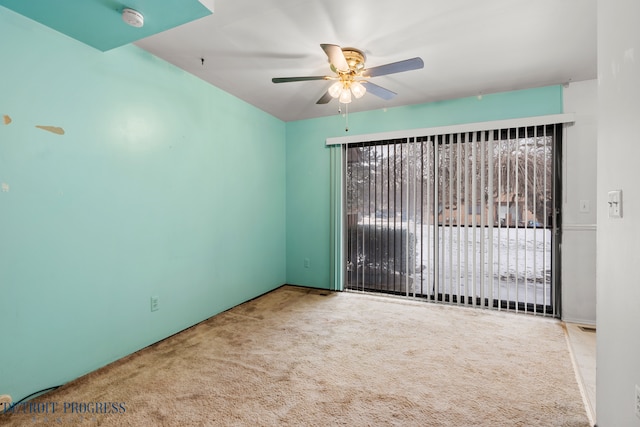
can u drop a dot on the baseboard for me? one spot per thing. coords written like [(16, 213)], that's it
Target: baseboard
[(308, 287), (585, 322)]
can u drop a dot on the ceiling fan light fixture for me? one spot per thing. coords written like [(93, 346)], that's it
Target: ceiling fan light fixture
[(345, 96), (336, 89), (350, 76), (358, 89)]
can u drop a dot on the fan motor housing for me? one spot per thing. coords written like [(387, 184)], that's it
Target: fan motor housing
[(355, 58)]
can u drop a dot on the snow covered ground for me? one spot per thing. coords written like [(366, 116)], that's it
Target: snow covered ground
[(500, 263), (508, 264)]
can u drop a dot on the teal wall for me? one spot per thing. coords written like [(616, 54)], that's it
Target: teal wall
[(161, 185), (308, 178)]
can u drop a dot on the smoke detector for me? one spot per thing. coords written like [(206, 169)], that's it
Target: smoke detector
[(132, 17)]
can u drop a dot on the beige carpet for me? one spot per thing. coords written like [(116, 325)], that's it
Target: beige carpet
[(304, 357)]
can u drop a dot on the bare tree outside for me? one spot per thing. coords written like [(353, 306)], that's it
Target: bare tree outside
[(402, 194)]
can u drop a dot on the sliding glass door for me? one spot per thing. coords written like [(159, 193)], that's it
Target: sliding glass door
[(466, 218)]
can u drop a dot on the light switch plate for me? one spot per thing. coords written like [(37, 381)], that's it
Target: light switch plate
[(615, 204)]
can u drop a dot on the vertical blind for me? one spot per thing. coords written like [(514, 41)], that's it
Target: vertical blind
[(463, 218)]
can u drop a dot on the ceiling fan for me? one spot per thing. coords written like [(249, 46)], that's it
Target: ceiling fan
[(351, 75)]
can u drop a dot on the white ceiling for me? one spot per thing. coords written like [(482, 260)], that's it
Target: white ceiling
[(469, 47)]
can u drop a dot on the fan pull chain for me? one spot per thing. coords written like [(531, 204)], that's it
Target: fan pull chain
[(346, 116)]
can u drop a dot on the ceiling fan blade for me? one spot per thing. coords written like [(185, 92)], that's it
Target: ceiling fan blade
[(298, 79), (325, 99), (379, 91), (336, 57), (394, 67)]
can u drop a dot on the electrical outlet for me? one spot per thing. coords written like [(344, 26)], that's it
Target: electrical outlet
[(155, 303), (637, 401), (585, 206), (307, 263)]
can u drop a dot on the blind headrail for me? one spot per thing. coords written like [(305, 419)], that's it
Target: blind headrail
[(460, 128)]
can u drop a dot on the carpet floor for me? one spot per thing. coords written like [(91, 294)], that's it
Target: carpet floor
[(302, 357)]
